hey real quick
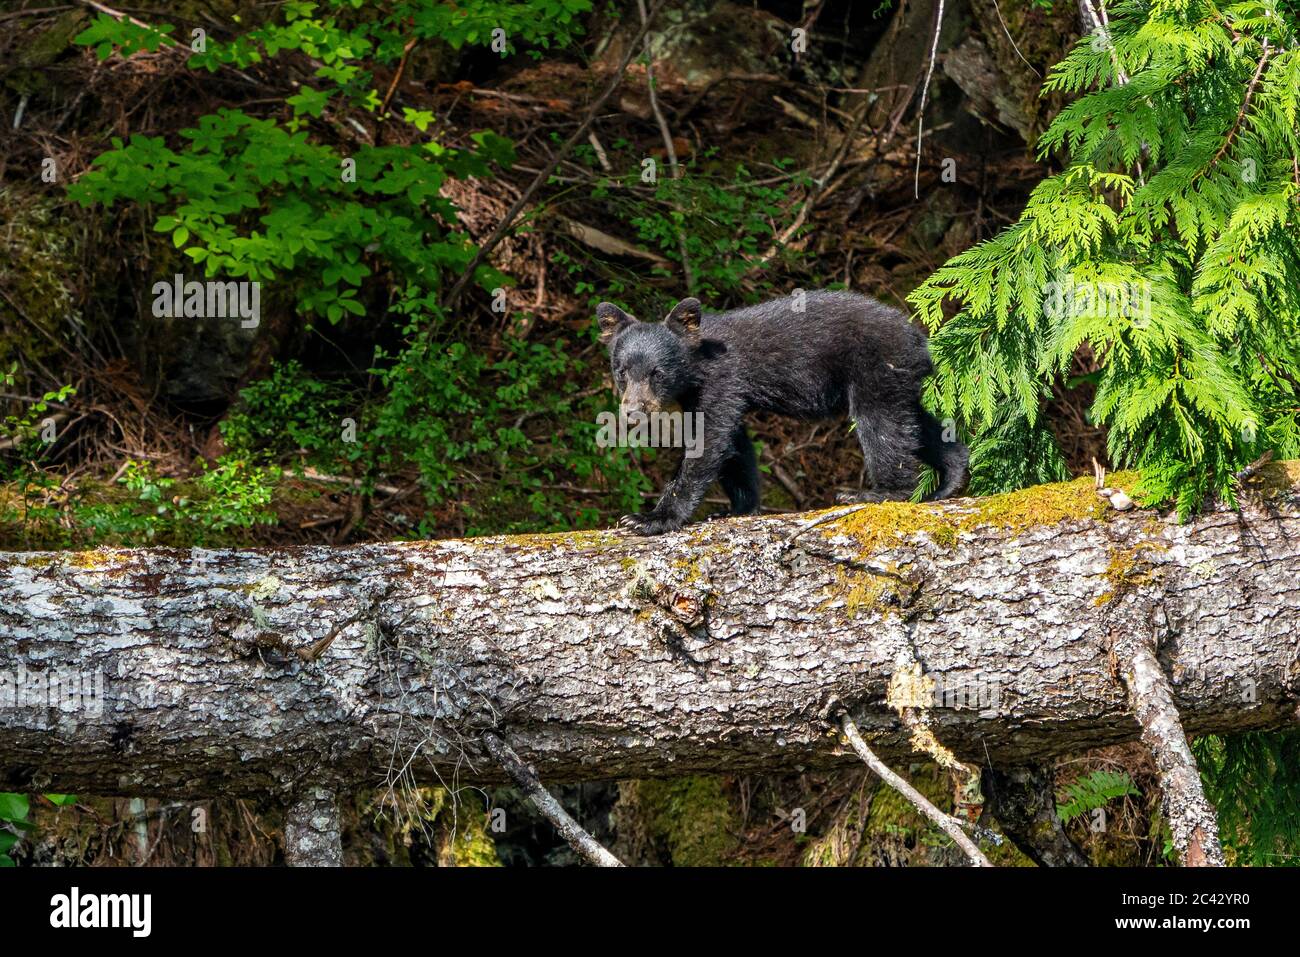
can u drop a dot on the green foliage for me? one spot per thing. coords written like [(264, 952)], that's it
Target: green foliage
[(14, 809), (479, 432), (1093, 791), (267, 200), (231, 494), (13, 820), (692, 817), (1168, 247), (24, 429), (353, 230), (461, 419), (1012, 453), (248, 198), (141, 509), (727, 224), (1253, 780), (109, 35), (287, 411)]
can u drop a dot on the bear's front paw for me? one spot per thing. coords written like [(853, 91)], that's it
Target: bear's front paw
[(649, 523)]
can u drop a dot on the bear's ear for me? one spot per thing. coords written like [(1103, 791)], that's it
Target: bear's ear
[(611, 319), (685, 318)]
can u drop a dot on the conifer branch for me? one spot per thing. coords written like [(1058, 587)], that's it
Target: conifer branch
[(1245, 105)]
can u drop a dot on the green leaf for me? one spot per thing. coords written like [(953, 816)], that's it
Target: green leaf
[(13, 807)]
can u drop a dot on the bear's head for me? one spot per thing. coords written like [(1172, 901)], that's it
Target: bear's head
[(654, 364)]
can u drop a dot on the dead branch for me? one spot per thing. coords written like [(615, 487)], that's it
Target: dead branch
[(945, 822), (587, 846)]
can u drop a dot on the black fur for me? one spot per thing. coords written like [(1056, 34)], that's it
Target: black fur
[(844, 353)]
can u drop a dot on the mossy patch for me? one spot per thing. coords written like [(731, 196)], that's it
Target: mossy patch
[(692, 817), (1128, 569), (884, 592), (891, 813), (429, 820), (696, 569), (469, 845), (96, 558), (879, 526), (40, 304), (582, 540)]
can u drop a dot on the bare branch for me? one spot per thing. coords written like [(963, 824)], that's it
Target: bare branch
[(1190, 814), (587, 846), (945, 822)]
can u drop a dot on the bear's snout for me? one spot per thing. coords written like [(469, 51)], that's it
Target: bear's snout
[(639, 397)]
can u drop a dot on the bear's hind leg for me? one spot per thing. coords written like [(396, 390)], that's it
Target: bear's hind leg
[(947, 456), (890, 435)]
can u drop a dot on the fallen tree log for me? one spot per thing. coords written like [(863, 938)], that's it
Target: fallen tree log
[(726, 647)]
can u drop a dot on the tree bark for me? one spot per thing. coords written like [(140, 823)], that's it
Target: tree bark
[(313, 834), (721, 648)]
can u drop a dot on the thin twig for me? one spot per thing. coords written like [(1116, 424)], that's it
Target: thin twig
[(945, 822), (798, 532), (313, 651), (998, 11), (397, 76), (601, 157), (667, 135), (33, 12), (1276, 371), (119, 15), (818, 190), (587, 846), (1245, 105), (925, 91)]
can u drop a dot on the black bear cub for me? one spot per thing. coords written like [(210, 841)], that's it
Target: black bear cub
[(812, 357)]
